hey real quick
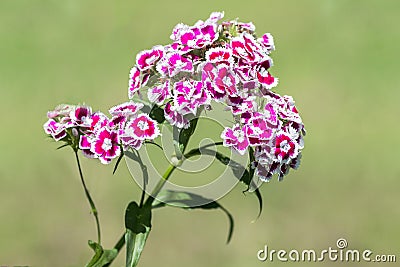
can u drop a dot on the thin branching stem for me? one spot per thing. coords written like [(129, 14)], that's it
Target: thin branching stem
[(194, 152), (89, 198)]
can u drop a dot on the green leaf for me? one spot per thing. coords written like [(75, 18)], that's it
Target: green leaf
[(62, 146), (101, 257), (157, 113), (118, 161), (188, 200), (185, 134), (138, 226), (260, 202)]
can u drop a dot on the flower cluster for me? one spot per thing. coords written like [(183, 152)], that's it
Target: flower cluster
[(98, 136), (209, 62), (225, 63)]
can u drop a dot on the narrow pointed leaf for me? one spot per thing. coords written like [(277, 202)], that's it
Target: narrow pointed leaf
[(260, 202), (118, 161), (62, 146), (185, 134), (134, 246), (101, 257), (153, 143), (138, 226)]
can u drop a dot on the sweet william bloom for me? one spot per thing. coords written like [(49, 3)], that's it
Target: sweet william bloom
[(219, 55), (200, 35), (62, 110), (143, 127), (173, 64), (55, 129), (236, 138), (80, 116), (246, 48), (222, 81), (285, 147), (258, 131), (215, 17), (174, 117), (98, 121), (129, 140), (147, 59), (267, 41), (106, 145), (271, 116), (249, 27), (189, 96), (126, 109), (85, 144), (158, 94), (266, 79), (136, 80), (243, 105)]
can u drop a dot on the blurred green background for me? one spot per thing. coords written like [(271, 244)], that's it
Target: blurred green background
[(338, 58)]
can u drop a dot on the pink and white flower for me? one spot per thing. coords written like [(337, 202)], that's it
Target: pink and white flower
[(98, 121), (55, 129), (158, 94), (126, 109), (236, 137), (173, 64), (246, 105), (175, 118), (61, 110), (267, 41), (195, 37), (147, 58), (214, 17), (266, 79), (285, 147), (247, 26), (80, 116), (189, 96), (106, 145), (219, 55), (199, 35), (136, 80), (258, 131), (143, 127), (246, 48), (222, 79), (270, 115), (85, 145), (128, 139)]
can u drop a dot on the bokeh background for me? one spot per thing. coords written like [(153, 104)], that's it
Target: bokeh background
[(338, 58)]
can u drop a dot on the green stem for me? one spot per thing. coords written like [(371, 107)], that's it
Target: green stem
[(121, 242), (160, 185), (89, 198), (118, 246), (196, 151)]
